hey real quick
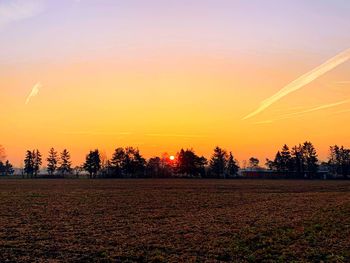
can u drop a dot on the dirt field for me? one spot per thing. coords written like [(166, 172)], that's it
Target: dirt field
[(174, 220)]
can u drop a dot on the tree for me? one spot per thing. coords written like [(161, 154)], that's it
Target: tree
[(139, 164), (133, 164), (304, 160), (52, 162), (160, 167), (254, 163), (232, 166), (37, 161), (77, 170), (93, 163), (190, 164), (286, 158), (8, 168), (298, 161), (278, 162), (117, 161), (270, 164), (339, 161), (154, 168), (283, 161), (2, 168), (105, 165), (218, 162), (2, 153), (310, 159), (65, 163), (29, 164)]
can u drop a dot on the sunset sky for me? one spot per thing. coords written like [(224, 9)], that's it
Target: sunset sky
[(165, 74)]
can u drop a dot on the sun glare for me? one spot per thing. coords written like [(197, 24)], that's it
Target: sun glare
[(172, 157)]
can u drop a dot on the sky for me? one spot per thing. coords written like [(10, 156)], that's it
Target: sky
[(162, 75)]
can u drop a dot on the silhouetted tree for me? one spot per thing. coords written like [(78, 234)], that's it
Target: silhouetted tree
[(52, 162), (310, 159), (139, 164), (29, 164), (283, 161), (153, 167), (298, 160), (65, 164), (190, 164), (93, 163), (232, 166), (304, 160), (37, 161), (117, 162), (270, 164), (254, 163), (134, 163), (339, 161), (6, 168), (160, 167), (77, 170), (2, 153), (2, 168), (218, 161)]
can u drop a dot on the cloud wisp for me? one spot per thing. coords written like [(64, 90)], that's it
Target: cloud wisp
[(303, 81), (96, 133), (175, 135), (16, 10), (35, 90), (294, 114)]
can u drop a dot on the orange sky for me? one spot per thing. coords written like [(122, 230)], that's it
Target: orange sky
[(163, 98)]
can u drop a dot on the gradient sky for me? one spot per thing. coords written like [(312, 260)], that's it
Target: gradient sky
[(161, 75)]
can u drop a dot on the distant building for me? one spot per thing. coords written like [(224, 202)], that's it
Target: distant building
[(271, 174)]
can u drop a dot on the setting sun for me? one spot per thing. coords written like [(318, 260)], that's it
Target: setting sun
[(172, 157)]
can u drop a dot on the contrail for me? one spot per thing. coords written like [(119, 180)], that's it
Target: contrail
[(303, 80), (343, 82), (34, 92), (291, 115), (175, 135)]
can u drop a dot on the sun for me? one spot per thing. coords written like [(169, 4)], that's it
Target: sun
[(172, 157)]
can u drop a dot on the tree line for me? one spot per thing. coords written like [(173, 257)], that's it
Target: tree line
[(129, 163), (300, 161)]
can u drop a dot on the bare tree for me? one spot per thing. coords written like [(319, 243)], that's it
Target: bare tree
[(2, 153)]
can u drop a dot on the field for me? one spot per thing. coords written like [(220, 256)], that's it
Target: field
[(174, 220)]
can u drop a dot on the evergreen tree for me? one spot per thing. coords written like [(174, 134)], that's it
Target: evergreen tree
[(52, 162), (310, 159), (283, 160), (298, 161), (232, 166), (218, 162), (65, 163), (29, 164), (286, 159), (37, 161)]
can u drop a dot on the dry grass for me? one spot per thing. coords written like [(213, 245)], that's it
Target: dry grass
[(174, 220)]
